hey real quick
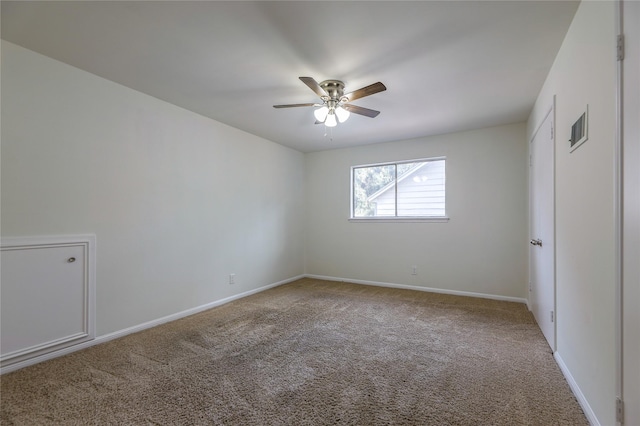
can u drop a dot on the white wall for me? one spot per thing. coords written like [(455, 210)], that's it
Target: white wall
[(177, 201), (481, 249), (584, 73)]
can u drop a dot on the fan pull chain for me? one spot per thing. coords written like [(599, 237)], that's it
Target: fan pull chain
[(330, 131)]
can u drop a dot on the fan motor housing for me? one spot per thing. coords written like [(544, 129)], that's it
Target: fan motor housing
[(334, 88)]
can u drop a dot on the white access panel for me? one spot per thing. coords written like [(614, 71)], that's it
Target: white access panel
[(46, 295)]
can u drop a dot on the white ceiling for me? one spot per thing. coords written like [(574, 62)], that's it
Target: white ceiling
[(448, 65)]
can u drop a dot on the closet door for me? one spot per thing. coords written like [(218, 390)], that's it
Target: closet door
[(46, 297), (542, 287)]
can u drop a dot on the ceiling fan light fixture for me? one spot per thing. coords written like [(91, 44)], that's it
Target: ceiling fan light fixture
[(342, 114), (321, 113), (331, 120)]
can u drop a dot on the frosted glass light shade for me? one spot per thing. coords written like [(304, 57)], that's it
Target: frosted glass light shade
[(342, 114), (321, 114), (330, 121)]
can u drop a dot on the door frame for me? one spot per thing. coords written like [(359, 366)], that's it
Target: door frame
[(627, 201), (551, 112)]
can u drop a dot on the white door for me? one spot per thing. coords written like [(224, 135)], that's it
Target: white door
[(542, 229)]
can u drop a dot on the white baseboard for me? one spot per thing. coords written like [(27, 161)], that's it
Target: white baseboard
[(139, 327), (419, 288), (591, 416), (134, 329)]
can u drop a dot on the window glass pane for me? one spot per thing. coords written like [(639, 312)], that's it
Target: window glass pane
[(369, 183), (421, 189), (405, 168)]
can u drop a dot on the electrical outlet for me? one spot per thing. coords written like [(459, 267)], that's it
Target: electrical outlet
[(414, 270), (232, 278)]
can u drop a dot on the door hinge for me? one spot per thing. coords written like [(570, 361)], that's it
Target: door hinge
[(552, 316), (551, 132), (619, 410), (620, 47), (530, 160)]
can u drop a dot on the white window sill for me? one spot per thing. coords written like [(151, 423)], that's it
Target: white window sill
[(399, 219)]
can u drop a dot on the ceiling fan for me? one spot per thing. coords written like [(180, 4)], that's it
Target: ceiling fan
[(335, 104)]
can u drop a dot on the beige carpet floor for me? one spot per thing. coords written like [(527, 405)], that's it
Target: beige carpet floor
[(310, 353)]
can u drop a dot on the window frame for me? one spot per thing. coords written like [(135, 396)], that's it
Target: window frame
[(352, 218)]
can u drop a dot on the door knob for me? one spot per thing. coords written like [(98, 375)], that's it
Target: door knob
[(536, 242)]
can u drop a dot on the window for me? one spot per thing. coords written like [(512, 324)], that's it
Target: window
[(408, 189)]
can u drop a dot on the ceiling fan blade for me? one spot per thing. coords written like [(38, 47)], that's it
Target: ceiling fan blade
[(360, 110), (365, 91), (295, 105), (313, 85)]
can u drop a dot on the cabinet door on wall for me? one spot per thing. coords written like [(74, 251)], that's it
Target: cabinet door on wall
[(46, 298)]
